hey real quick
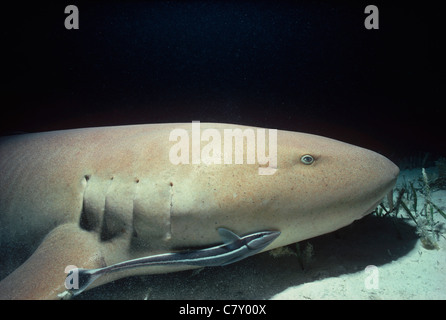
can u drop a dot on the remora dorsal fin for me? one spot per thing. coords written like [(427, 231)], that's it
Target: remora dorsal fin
[(227, 235)]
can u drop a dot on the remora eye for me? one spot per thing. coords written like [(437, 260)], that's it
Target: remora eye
[(307, 159)]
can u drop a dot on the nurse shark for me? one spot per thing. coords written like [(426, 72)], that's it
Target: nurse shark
[(96, 198)]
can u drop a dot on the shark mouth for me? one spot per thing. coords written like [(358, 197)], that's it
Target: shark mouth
[(389, 196), (371, 209)]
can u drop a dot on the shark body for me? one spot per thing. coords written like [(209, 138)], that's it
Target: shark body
[(96, 197)]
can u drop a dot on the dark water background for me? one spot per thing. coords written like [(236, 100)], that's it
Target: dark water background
[(306, 66)]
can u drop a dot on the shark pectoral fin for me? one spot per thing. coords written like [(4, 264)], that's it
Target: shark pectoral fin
[(43, 275), (227, 235)]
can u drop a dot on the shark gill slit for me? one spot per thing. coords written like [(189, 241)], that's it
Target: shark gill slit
[(116, 223), (107, 232), (85, 222), (134, 233), (169, 233)]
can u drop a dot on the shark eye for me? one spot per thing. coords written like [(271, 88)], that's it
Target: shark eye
[(307, 159)]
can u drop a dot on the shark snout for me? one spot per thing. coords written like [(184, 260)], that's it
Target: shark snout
[(395, 171), (390, 172), (382, 179)]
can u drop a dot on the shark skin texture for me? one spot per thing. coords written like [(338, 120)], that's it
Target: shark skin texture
[(95, 197)]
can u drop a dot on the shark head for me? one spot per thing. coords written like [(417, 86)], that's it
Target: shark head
[(318, 185), (327, 184)]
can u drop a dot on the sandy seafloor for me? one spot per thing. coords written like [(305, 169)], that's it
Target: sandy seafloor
[(403, 268)]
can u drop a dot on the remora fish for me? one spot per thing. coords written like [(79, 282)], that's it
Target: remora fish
[(234, 249), (95, 197)]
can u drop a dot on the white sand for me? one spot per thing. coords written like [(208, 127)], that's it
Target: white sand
[(404, 269)]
